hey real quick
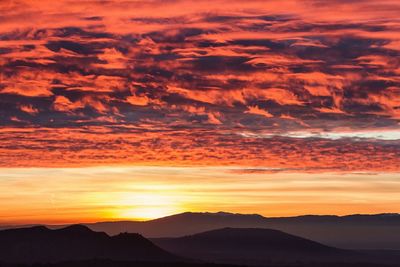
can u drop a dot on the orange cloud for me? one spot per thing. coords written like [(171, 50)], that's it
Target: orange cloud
[(29, 109), (258, 111), (138, 100), (172, 82), (91, 146)]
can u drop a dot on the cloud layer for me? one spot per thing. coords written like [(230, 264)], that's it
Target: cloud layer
[(227, 82)]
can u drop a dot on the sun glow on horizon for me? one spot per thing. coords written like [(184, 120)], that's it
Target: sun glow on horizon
[(148, 192), (147, 206)]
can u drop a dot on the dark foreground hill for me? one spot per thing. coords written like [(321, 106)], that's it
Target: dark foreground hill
[(78, 246), (73, 243), (109, 263), (252, 246), (381, 231)]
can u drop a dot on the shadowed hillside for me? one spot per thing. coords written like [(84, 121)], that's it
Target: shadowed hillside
[(252, 246), (77, 242), (380, 231), (108, 263), (79, 246), (111, 263)]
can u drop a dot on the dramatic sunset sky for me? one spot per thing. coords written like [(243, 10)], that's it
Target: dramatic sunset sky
[(137, 109)]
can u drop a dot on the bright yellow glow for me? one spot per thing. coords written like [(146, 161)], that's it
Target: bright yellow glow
[(146, 213), (72, 195), (146, 206)]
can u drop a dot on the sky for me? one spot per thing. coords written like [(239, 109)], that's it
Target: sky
[(117, 109)]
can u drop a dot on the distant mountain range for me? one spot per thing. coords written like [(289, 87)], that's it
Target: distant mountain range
[(381, 231)]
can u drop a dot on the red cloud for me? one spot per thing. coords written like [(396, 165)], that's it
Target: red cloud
[(172, 82)]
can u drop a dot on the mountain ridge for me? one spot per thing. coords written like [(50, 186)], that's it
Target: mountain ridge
[(13, 226), (243, 246), (253, 246), (355, 231), (75, 242)]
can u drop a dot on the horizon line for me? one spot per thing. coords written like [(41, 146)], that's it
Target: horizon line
[(199, 212)]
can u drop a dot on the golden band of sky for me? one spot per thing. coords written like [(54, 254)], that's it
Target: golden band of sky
[(70, 195)]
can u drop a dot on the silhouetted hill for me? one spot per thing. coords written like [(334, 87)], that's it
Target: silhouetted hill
[(179, 224), (252, 246), (381, 231), (109, 263), (78, 246), (76, 242)]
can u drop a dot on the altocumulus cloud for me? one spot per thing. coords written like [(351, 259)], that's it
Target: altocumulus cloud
[(200, 83)]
